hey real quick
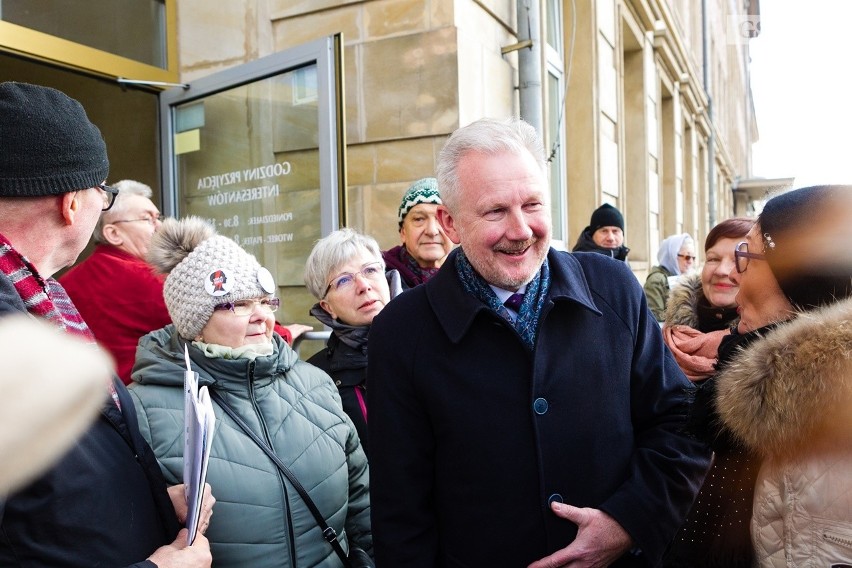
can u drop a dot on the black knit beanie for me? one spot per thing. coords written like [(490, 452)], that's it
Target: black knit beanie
[(606, 216), (48, 146), (800, 232)]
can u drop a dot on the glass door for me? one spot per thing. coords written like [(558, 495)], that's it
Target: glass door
[(258, 151)]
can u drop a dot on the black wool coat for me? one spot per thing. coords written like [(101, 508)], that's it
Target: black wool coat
[(103, 504), (472, 435), (347, 367)]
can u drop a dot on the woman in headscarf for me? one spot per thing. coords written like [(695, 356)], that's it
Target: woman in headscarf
[(676, 256)]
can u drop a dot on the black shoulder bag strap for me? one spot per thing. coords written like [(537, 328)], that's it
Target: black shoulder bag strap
[(328, 533)]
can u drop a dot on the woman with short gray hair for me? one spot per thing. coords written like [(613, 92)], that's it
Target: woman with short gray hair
[(346, 274)]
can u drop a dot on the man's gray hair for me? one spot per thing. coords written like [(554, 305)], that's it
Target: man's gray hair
[(125, 187), (486, 136), (333, 251)]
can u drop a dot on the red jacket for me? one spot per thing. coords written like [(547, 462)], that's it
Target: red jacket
[(121, 298)]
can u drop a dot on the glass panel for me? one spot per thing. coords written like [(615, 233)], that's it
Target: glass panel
[(258, 149), (135, 29), (247, 159), (554, 24), (557, 170)]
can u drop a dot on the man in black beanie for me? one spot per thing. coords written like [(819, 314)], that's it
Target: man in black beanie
[(105, 503), (605, 234)]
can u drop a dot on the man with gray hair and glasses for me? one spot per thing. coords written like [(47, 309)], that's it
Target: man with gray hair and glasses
[(115, 289)]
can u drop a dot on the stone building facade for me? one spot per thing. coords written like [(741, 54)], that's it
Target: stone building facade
[(657, 116), (644, 104)]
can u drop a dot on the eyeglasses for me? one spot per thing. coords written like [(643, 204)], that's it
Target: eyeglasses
[(110, 193), (247, 307), (742, 256), (373, 271), (688, 257), (152, 220)]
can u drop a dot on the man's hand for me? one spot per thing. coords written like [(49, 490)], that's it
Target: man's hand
[(177, 493), (600, 540), (179, 555)]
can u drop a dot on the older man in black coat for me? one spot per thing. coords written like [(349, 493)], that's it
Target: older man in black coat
[(524, 409)]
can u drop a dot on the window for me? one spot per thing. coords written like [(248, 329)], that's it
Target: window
[(554, 116)]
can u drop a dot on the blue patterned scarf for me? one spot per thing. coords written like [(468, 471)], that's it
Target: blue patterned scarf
[(526, 324)]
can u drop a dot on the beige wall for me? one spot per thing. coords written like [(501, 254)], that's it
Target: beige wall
[(637, 119)]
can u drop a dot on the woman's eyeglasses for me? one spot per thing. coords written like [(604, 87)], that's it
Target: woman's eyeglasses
[(742, 256), (247, 307), (688, 257), (373, 272)]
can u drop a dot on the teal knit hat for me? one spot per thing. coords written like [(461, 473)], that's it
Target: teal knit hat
[(421, 191)]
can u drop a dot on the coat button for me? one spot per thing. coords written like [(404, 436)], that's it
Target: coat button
[(540, 405), (555, 497)]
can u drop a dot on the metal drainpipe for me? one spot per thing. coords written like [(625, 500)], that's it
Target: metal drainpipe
[(529, 64), (711, 140)]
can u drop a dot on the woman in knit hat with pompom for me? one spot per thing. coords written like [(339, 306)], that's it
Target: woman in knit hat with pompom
[(221, 301)]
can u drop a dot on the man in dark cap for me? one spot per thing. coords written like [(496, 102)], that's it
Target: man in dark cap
[(605, 234), (105, 502)]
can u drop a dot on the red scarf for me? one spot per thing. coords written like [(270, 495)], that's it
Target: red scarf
[(44, 299)]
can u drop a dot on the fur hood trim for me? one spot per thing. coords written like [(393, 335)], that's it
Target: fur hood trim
[(792, 389), (683, 299)]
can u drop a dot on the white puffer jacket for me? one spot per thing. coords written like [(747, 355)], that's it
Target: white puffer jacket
[(788, 397)]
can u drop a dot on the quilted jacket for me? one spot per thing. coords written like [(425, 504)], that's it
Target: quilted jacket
[(788, 397), (259, 520)]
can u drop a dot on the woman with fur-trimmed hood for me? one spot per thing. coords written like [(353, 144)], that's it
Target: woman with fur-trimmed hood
[(700, 314), (786, 393), (702, 308), (788, 398)]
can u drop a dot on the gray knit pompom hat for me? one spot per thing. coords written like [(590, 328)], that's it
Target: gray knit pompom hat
[(204, 269)]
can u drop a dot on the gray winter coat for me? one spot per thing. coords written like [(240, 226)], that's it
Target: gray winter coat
[(259, 520)]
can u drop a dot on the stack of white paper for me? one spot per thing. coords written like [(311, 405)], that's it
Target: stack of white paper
[(199, 423)]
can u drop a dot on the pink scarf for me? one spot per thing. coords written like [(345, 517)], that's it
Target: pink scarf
[(694, 351)]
